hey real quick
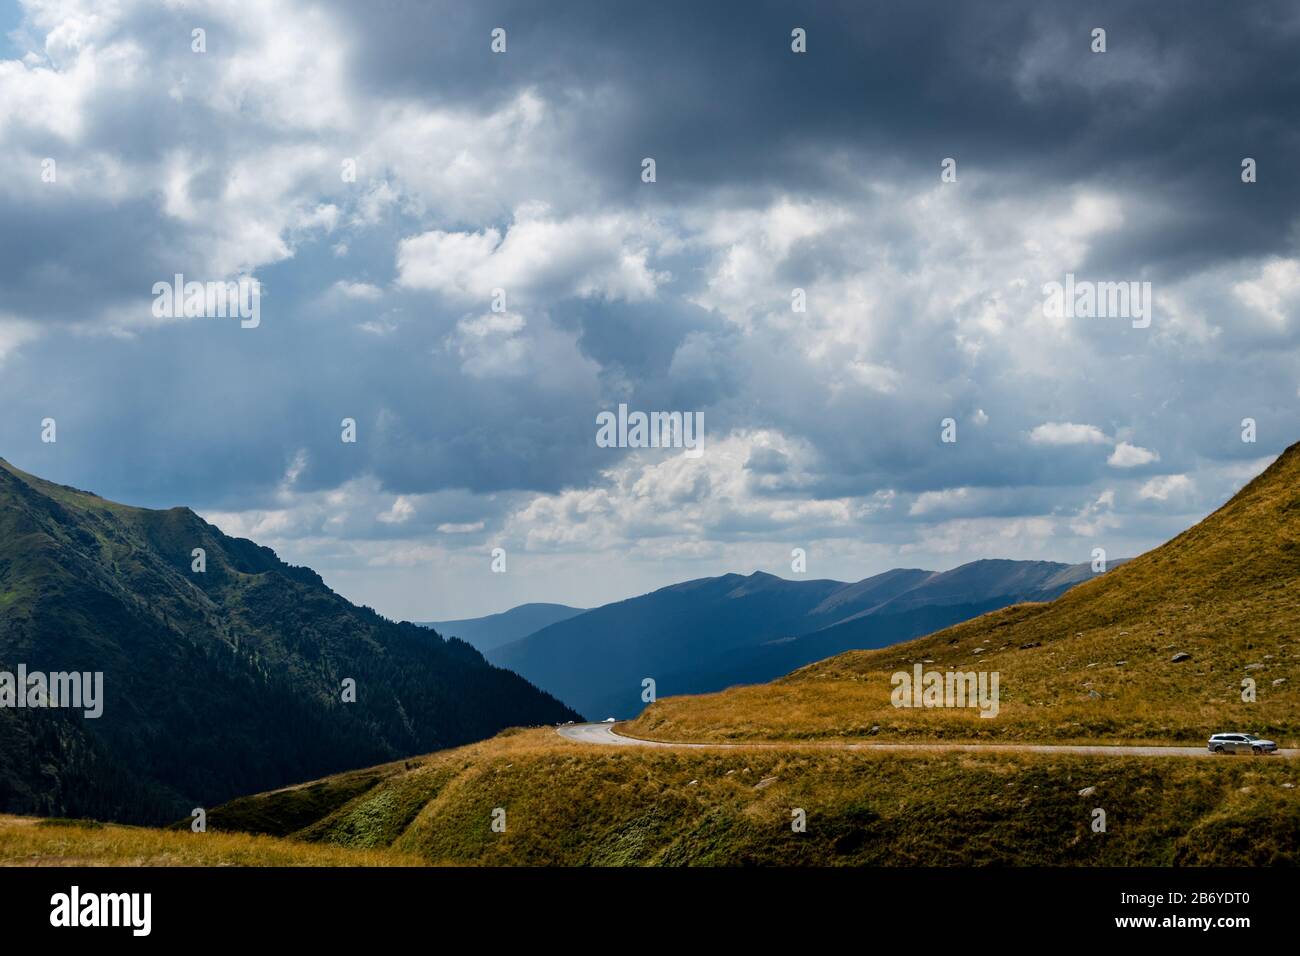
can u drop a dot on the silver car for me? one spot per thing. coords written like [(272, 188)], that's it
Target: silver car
[(1240, 744)]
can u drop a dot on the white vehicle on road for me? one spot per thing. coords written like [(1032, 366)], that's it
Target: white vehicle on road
[(1240, 744)]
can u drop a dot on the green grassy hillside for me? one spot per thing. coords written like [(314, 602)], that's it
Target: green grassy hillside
[(215, 683), (1094, 665), (575, 804)]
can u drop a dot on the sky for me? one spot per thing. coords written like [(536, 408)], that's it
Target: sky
[(921, 173)]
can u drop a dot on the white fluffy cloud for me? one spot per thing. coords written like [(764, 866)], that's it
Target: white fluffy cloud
[(539, 258), (491, 346), (673, 499), (14, 332), (363, 291), (1274, 293), (1164, 487), (1066, 433), (1131, 456), (241, 150), (402, 511)]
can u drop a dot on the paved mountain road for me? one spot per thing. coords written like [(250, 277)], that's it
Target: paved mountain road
[(604, 735)]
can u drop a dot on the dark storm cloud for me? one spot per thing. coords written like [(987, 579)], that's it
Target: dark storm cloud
[(204, 412), (1183, 93)]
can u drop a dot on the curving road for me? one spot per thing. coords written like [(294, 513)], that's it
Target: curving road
[(604, 735)]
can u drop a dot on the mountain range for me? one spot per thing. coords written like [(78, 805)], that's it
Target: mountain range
[(1194, 637), (486, 633), (224, 671), (708, 634)]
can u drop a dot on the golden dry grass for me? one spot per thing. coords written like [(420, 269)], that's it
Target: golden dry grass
[(571, 804), (577, 804), (27, 841), (1093, 666)]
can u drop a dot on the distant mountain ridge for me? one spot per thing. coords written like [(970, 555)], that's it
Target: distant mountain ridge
[(493, 630), (709, 633), (1194, 637), (215, 683)]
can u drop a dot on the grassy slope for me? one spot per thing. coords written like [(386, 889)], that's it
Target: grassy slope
[(26, 841), (1226, 591), (573, 804)]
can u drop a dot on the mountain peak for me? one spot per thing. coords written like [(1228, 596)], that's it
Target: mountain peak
[(219, 679), (710, 633)]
